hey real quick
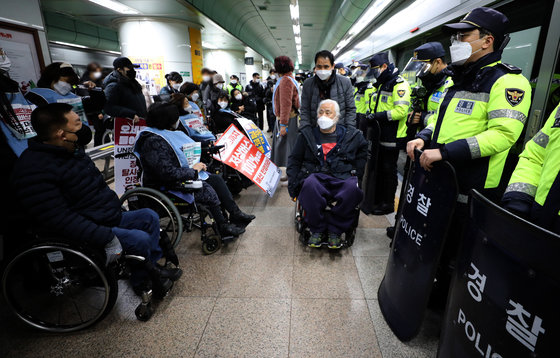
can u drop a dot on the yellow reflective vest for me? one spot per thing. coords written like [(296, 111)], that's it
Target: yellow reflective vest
[(362, 99), (395, 102), (479, 119), (536, 176)]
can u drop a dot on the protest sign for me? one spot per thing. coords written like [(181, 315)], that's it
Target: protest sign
[(126, 171)]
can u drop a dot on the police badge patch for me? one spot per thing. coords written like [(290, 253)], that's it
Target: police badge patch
[(556, 123), (514, 96), (401, 93)]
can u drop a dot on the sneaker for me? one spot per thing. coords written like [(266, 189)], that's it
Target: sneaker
[(315, 240), (334, 241)]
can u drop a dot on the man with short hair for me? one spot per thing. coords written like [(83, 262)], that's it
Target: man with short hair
[(233, 84), (63, 192), (255, 90), (327, 84), (324, 167), (123, 92), (269, 89)]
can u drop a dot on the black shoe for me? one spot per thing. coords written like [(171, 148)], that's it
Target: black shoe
[(167, 248), (173, 274), (141, 288), (390, 232), (231, 230), (240, 217), (161, 287), (383, 209)]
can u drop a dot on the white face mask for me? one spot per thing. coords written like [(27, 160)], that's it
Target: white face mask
[(461, 51), (194, 97), (257, 80), (223, 104), (323, 74), (325, 122), (188, 108), (97, 75), (219, 85), (272, 77), (176, 125), (62, 87), (176, 86), (238, 97), (5, 63), (233, 81), (360, 79), (205, 78)]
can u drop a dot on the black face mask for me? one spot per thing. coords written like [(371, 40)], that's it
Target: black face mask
[(431, 80), (84, 136), (131, 74)]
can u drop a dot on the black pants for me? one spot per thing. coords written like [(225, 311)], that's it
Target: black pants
[(260, 117), (220, 187), (387, 175), (99, 127), (270, 117)]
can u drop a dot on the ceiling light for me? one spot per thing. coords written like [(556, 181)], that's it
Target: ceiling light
[(294, 11), (364, 20), (116, 6), (294, 14)]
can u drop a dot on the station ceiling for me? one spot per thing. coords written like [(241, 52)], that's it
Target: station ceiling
[(259, 27)]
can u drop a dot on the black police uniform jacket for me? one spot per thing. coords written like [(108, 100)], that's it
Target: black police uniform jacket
[(64, 193), (348, 155)]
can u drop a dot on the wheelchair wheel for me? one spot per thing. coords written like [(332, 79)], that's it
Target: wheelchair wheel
[(57, 287), (170, 219), (210, 235)]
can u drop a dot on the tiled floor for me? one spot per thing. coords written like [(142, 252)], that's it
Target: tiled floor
[(264, 295)]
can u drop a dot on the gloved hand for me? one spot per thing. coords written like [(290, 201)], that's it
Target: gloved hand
[(113, 250)]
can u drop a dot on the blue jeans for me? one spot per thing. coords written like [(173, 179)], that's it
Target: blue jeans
[(138, 233)]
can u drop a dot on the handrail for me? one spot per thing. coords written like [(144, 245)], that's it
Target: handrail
[(104, 152)]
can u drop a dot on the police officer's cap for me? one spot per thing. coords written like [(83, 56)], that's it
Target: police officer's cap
[(379, 59), (429, 51), (122, 62), (339, 65), (481, 17)]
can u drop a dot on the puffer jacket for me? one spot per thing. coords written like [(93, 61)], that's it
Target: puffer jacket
[(159, 162), (348, 155), (64, 193), (124, 96), (341, 91)]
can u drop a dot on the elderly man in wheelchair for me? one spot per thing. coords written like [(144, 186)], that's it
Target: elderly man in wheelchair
[(323, 172), (63, 192)]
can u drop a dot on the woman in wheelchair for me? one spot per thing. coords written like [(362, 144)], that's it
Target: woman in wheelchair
[(165, 166), (64, 193), (190, 115), (323, 168)]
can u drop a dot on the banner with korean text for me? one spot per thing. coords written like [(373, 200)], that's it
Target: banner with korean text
[(126, 171), (242, 155), (256, 136)]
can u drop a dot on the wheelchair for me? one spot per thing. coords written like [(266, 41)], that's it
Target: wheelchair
[(61, 285), (347, 238), (177, 210)]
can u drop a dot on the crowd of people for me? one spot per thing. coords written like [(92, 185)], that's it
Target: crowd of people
[(473, 112)]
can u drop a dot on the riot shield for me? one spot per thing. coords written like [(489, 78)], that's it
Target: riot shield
[(370, 173), (428, 206), (505, 290)]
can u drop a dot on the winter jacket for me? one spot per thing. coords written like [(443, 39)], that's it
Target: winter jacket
[(124, 96), (256, 91), (64, 192), (349, 154), (286, 99), (159, 162), (341, 91)]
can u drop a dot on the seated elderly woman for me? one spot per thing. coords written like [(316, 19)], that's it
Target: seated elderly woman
[(165, 164), (324, 167)]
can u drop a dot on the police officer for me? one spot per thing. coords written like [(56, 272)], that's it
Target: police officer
[(430, 65), (534, 188), (363, 91), (389, 107), (233, 84), (479, 119)]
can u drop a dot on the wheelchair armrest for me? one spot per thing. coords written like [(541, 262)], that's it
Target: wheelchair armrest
[(192, 184)]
